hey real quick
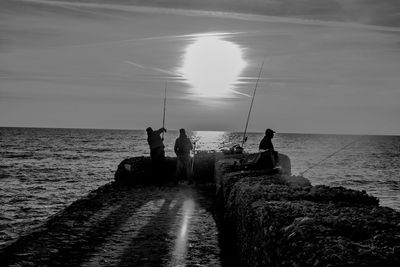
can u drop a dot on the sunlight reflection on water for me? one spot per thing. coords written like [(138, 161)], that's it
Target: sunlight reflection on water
[(208, 140)]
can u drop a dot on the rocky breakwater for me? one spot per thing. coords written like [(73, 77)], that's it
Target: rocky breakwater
[(141, 170), (282, 220)]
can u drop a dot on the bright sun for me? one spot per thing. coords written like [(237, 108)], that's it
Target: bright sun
[(212, 66)]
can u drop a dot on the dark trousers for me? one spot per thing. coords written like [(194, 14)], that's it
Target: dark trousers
[(268, 159), (157, 155), (183, 167)]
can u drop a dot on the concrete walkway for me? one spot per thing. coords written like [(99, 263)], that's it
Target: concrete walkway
[(119, 226)]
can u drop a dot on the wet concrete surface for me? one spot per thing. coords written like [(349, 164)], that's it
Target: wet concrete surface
[(122, 226)]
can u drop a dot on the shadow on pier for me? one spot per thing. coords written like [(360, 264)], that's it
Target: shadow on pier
[(127, 226)]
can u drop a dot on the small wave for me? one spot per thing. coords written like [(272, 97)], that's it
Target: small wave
[(6, 236), (351, 182), (4, 175), (5, 219), (71, 157), (5, 166), (11, 156), (391, 184), (354, 175), (17, 200), (88, 156), (100, 149), (36, 188), (360, 181), (25, 208)]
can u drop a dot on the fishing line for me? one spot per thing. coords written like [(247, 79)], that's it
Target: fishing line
[(331, 155)]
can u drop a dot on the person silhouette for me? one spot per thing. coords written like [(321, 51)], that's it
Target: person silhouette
[(267, 148), (182, 149), (156, 144)]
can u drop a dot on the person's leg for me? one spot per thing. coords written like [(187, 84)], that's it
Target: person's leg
[(188, 169), (153, 155), (276, 157), (161, 154), (179, 166), (266, 160)]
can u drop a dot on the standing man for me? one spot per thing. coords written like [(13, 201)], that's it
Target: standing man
[(156, 144), (182, 148)]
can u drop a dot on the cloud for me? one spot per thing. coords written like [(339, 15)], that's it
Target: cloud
[(381, 13)]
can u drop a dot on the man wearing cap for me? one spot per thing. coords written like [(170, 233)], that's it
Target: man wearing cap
[(156, 144), (266, 145)]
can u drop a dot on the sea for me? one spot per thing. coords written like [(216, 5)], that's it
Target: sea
[(43, 170)]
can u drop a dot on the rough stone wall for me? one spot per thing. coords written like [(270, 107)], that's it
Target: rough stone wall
[(141, 170), (280, 220)]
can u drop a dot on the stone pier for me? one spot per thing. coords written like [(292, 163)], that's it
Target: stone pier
[(235, 215), (282, 220)]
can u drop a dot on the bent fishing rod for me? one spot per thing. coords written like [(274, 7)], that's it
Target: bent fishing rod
[(251, 105)]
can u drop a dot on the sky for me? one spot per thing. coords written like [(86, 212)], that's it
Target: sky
[(105, 64)]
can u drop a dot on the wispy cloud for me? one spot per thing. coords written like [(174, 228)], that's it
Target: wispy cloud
[(305, 18), (177, 76)]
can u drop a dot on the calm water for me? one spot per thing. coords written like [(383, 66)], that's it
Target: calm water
[(44, 170)]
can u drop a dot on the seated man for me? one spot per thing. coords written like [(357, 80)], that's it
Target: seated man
[(269, 157)]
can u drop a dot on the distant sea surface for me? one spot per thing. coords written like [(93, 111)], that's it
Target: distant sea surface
[(44, 170)]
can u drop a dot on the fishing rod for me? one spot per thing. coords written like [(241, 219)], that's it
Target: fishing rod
[(194, 154), (251, 105), (165, 100), (331, 155)]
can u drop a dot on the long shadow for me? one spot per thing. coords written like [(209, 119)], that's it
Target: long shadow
[(61, 245), (99, 233), (152, 244), (73, 246)]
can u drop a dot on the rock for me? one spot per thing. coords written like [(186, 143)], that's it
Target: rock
[(141, 170), (282, 220), (203, 168), (296, 181)]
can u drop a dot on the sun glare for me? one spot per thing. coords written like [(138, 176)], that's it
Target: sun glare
[(212, 66)]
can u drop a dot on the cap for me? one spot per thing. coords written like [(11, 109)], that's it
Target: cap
[(269, 131)]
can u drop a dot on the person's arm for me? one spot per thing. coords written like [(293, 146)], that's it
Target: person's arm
[(262, 145), (176, 146), (160, 131), (190, 144), (271, 146)]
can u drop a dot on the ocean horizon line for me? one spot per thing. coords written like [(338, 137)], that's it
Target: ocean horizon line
[(177, 130)]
